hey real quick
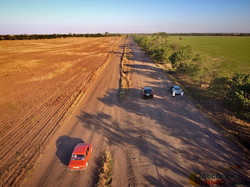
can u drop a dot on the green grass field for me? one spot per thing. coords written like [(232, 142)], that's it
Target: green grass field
[(234, 51)]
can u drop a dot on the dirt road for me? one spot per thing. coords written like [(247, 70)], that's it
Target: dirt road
[(154, 142)]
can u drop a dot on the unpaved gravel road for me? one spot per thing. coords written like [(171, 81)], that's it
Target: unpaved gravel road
[(154, 142)]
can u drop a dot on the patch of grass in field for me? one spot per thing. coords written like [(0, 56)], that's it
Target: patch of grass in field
[(233, 51)]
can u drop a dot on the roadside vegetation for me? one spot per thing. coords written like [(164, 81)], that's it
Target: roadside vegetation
[(233, 88), (124, 77), (106, 172)]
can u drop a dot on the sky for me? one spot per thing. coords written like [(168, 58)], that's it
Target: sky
[(127, 16)]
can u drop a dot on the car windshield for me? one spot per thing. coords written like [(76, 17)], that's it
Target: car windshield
[(177, 88), (147, 91), (77, 157)]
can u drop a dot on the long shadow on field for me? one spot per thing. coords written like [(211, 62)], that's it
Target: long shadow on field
[(170, 134), (135, 138), (65, 146), (183, 136), (200, 143), (133, 134)]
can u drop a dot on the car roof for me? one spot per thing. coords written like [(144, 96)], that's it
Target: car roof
[(147, 88), (80, 148), (175, 86)]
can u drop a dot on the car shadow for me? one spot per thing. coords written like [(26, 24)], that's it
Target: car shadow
[(65, 145)]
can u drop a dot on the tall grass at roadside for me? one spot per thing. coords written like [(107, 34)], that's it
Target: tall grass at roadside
[(106, 172)]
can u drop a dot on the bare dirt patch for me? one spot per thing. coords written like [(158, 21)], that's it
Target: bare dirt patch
[(40, 82)]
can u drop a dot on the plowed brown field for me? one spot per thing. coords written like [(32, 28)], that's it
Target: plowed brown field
[(40, 82)]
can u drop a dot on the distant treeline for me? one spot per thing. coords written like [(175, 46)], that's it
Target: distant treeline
[(50, 36), (209, 34), (199, 34)]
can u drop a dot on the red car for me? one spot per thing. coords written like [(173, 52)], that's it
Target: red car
[(80, 156)]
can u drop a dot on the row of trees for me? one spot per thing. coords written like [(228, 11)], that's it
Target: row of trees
[(183, 59), (234, 90), (51, 36)]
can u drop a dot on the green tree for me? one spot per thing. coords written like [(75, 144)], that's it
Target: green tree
[(157, 46), (181, 57), (218, 87), (161, 55)]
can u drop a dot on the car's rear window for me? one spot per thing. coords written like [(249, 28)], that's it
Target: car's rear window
[(77, 157)]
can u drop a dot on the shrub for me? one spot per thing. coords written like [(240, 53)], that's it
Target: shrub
[(181, 57), (157, 46), (218, 87), (161, 55), (105, 176), (238, 95)]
